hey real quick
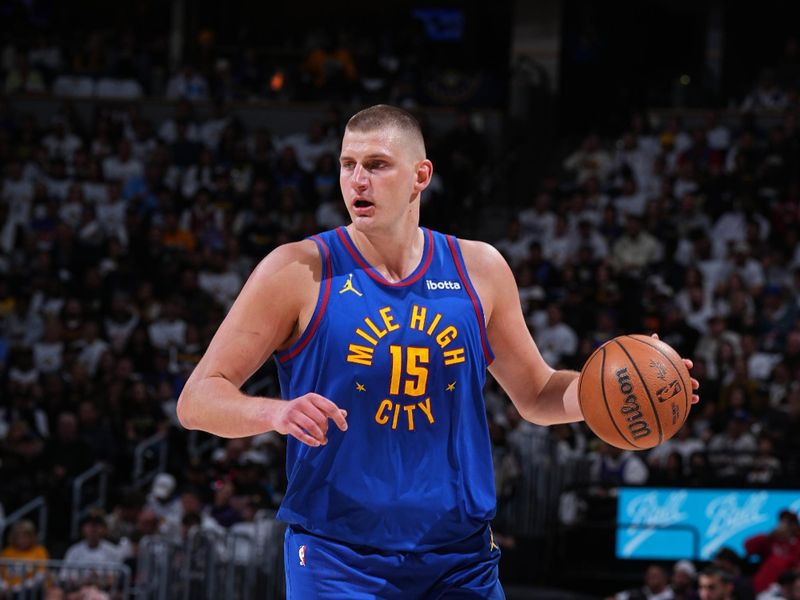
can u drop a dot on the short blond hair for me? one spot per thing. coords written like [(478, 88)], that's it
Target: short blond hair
[(382, 116)]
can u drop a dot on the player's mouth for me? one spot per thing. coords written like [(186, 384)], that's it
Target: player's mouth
[(362, 206)]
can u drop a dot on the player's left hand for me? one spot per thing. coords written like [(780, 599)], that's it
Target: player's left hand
[(689, 364)]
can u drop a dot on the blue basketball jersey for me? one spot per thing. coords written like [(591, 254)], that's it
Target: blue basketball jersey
[(407, 360)]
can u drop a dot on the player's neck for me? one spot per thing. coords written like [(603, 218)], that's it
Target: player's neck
[(394, 254)]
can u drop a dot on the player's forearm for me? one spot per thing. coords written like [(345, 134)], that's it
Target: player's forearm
[(557, 401), (215, 405)]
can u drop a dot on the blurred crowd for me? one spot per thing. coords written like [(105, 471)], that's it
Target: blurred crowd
[(330, 65), (690, 232)]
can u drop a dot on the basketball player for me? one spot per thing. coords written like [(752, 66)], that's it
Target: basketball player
[(386, 329)]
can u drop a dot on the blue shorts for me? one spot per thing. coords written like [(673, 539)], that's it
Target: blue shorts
[(318, 567)]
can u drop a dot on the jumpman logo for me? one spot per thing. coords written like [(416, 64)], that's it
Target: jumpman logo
[(492, 545), (348, 287)]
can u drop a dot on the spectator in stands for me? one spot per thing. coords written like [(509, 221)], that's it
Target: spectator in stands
[(778, 550), (767, 95), (161, 499), (635, 250), (730, 562), (309, 147), (224, 509), (92, 550), (330, 67), (656, 587), (732, 451), (684, 581), (590, 160), (23, 78), (22, 545), (191, 503), (557, 340), (123, 520), (783, 589), (66, 452), (187, 83), (715, 584), (612, 467), (122, 166)]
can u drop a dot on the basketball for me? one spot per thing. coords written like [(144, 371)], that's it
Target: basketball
[(635, 392)]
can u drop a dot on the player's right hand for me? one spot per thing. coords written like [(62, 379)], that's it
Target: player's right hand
[(306, 418)]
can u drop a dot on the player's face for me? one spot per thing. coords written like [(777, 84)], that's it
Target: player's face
[(381, 175)]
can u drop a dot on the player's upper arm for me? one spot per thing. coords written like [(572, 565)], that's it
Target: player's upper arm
[(266, 316), (518, 365)]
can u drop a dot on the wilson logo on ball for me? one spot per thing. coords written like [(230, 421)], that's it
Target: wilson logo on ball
[(630, 409)]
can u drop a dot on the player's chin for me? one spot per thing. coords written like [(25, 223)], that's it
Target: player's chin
[(363, 222)]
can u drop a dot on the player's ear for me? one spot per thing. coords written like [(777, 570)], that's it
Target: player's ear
[(424, 174)]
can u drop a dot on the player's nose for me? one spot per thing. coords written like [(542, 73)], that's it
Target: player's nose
[(359, 177)]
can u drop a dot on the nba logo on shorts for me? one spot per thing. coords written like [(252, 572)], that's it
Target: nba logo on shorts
[(301, 552)]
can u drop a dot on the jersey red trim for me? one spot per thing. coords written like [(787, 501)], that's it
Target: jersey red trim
[(370, 270), (305, 338), (473, 295)]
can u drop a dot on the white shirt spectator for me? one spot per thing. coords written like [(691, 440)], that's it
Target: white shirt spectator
[(631, 253), (308, 150), (116, 169), (636, 157), (632, 469), (95, 191), (210, 131), (118, 331), (761, 364), (187, 84), (750, 270), (125, 89), (329, 215), (17, 193), (58, 188), (556, 339), (111, 216), (91, 354), (70, 213), (223, 287), (48, 356), (537, 222), (595, 241), (168, 131), (165, 333), (633, 204), (719, 138), (683, 186), (62, 146), (558, 249), (589, 161), (767, 96), (73, 86), (82, 555)]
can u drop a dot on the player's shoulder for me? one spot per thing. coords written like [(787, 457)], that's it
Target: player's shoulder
[(481, 258), (295, 261)]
